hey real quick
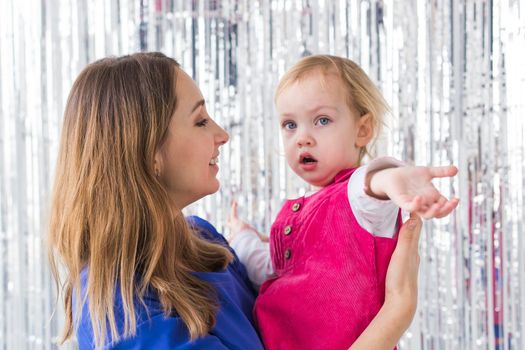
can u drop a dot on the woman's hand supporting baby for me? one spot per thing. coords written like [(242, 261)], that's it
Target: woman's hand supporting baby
[(400, 304)]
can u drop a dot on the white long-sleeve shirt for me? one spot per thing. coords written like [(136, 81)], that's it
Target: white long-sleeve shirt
[(377, 216)]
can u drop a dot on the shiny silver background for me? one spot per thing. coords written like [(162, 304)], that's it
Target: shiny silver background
[(452, 71)]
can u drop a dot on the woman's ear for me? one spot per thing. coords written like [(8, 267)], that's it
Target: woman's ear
[(157, 163), (365, 130)]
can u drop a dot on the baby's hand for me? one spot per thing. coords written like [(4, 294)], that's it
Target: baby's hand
[(236, 225), (411, 188)]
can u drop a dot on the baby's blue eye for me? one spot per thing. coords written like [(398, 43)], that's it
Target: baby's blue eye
[(289, 125), (324, 121)]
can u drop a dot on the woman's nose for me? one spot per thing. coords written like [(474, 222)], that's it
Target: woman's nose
[(222, 136)]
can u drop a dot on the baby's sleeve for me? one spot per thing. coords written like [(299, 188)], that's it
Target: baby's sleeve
[(255, 255), (377, 216)]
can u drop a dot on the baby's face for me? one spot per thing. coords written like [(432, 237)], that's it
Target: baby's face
[(320, 131)]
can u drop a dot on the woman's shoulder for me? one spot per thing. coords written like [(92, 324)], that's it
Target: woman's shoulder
[(155, 329), (209, 232), (205, 229), (198, 222), (157, 332), (153, 325), (146, 310)]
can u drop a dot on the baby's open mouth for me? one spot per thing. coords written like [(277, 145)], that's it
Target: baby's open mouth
[(307, 159)]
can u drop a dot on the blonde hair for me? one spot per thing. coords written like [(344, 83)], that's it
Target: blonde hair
[(362, 94), (109, 212)]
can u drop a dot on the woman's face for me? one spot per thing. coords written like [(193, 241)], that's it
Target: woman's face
[(187, 160)]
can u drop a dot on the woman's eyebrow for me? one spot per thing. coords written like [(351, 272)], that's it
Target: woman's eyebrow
[(197, 105)]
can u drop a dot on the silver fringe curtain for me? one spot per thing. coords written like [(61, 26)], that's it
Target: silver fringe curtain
[(452, 72)]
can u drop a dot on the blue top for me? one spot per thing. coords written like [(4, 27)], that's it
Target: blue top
[(234, 322)]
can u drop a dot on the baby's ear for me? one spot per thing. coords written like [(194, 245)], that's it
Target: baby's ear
[(365, 130)]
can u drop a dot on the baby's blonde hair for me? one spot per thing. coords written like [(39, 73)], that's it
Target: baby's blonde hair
[(363, 94)]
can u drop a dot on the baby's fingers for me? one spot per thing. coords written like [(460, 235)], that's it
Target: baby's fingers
[(447, 208), (232, 215), (435, 208), (233, 210), (439, 209), (443, 171)]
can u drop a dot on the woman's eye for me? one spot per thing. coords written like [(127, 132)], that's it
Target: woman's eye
[(289, 125), (202, 123), (323, 121)]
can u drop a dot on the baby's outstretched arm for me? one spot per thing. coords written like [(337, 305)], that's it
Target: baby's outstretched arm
[(377, 216), (411, 188)]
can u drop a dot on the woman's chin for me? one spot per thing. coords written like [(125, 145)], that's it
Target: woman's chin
[(212, 188), (216, 187), (198, 194)]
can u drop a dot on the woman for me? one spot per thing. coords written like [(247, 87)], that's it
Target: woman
[(137, 147)]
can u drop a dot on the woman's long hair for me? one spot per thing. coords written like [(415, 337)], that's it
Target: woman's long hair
[(110, 214)]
